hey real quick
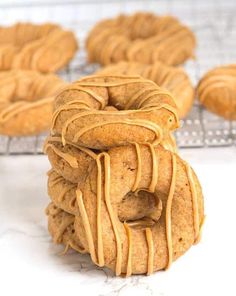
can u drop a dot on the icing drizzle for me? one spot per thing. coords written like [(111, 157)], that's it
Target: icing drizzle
[(103, 164)]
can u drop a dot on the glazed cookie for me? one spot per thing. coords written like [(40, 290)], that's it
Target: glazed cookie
[(173, 79), (138, 111), (26, 101), (117, 189), (45, 48), (217, 91), (140, 208), (142, 37)]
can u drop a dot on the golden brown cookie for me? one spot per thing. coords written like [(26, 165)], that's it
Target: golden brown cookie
[(118, 191), (145, 112), (142, 37), (217, 91), (140, 208), (45, 48), (26, 101), (173, 79)]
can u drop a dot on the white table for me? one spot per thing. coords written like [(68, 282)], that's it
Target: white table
[(30, 264)]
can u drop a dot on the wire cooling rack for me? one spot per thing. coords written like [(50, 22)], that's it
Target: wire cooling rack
[(213, 22)]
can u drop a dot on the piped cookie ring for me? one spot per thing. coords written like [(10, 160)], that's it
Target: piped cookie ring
[(173, 79), (142, 37), (140, 208), (217, 91), (26, 101), (45, 48), (100, 112)]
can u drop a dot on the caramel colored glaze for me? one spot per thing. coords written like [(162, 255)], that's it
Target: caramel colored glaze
[(168, 212), (150, 251), (72, 161), (44, 48), (145, 105), (141, 37), (216, 91), (129, 260), (87, 227), (195, 202), (173, 79)]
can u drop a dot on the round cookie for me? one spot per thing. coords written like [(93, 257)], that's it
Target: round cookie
[(144, 112), (173, 79), (26, 101), (140, 208), (142, 37), (45, 48), (217, 91)]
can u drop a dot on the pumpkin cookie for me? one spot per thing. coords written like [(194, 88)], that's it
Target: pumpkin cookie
[(26, 101), (173, 79), (217, 91), (143, 112), (142, 37), (45, 48)]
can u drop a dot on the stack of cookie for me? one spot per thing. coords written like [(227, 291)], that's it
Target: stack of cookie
[(118, 191)]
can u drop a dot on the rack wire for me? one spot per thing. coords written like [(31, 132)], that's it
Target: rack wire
[(213, 22)]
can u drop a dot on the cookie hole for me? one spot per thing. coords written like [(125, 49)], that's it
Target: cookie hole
[(73, 231), (140, 207), (180, 239), (72, 204)]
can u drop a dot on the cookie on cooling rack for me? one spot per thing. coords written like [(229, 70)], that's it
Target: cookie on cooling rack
[(142, 37), (26, 101), (217, 91), (173, 79), (45, 48)]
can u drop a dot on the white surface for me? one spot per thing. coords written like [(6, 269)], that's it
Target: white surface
[(30, 264)]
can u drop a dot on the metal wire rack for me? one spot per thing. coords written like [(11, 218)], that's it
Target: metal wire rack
[(213, 22)]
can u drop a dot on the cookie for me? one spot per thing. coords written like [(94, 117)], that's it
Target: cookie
[(44, 48), (145, 112), (173, 79), (26, 101), (142, 37), (216, 91)]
